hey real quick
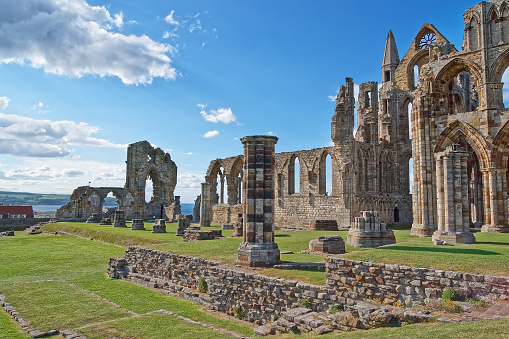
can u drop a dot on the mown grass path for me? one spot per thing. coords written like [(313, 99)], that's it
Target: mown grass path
[(57, 282)]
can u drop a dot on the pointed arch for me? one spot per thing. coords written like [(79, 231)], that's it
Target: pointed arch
[(501, 147), (456, 66), (457, 129), (496, 71)]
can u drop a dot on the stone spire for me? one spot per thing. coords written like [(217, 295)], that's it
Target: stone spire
[(391, 58)]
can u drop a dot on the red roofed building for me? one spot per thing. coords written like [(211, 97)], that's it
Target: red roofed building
[(16, 212)]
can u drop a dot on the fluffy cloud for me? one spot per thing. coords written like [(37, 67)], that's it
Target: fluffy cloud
[(71, 37), (189, 180), (224, 115), (25, 136), (211, 134), (4, 102), (59, 175), (171, 20)]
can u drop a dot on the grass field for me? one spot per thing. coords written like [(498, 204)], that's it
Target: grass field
[(60, 282), (488, 256), (56, 281), (9, 329)]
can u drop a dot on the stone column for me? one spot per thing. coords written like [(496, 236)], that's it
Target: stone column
[(258, 248), (222, 189), (205, 205), (497, 195), (452, 197)]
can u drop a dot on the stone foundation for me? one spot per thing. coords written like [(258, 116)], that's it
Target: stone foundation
[(453, 237), (159, 226), (137, 225), (368, 232), (332, 244), (119, 219), (258, 255), (495, 228), (323, 225), (195, 234)]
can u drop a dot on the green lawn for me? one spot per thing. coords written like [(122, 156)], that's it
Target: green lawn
[(52, 281), (152, 326), (55, 281), (489, 255), (9, 329)]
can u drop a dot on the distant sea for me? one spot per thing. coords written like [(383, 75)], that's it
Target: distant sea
[(186, 208)]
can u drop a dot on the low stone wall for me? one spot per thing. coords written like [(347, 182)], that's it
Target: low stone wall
[(19, 224), (265, 298), (357, 280)]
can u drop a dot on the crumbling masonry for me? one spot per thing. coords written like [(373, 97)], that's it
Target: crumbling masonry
[(144, 162), (451, 96)]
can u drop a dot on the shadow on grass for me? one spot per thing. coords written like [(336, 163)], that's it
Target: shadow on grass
[(451, 250), (492, 243), (281, 235)]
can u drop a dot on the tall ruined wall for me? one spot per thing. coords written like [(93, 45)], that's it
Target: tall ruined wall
[(144, 162)]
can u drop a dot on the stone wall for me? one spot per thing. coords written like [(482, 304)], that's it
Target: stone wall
[(226, 214), (19, 224), (264, 298), (298, 210), (357, 280), (260, 296)]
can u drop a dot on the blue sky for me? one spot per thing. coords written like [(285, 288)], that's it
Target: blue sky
[(79, 80)]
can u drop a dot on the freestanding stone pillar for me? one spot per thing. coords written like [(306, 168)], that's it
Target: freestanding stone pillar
[(453, 203), (258, 248), (205, 205)]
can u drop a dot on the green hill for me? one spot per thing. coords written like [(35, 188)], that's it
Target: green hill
[(25, 198)]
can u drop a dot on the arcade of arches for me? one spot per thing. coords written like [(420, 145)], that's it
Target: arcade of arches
[(437, 106)]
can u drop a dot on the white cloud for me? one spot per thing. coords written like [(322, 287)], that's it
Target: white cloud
[(202, 106), (211, 134), (224, 115), (73, 38), (119, 19), (24, 136), (72, 172), (171, 20), (270, 133), (189, 180), (59, 175), (4, 102), (38, 105)]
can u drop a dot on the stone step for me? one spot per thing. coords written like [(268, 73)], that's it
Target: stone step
[(498, 310)]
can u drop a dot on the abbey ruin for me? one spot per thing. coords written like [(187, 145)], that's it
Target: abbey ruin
[(144, 162), (459, 143)]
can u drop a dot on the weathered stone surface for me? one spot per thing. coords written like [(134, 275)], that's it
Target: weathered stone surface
[(323, 225), (183, 223), (144, 162), (159, 226), (195, 234), (258, 248), (367, 231), (332, 244), (137, 225), (119, 219)]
